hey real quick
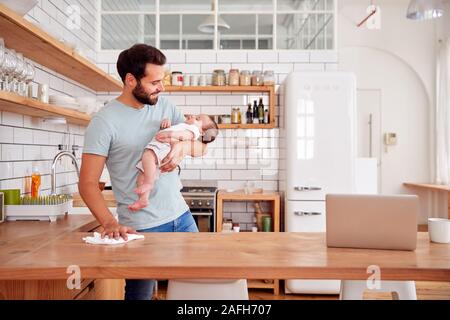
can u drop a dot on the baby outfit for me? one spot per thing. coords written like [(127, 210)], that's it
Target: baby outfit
[(161, 149)]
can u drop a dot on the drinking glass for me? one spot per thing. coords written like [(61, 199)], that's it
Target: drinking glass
[(30, 73), (2, 61), (17, 73), (10, 66)]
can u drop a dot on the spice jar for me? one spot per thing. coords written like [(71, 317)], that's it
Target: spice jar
[(218, 78), (269, 78), (177, 78), (257, 78), (226, 119), (233, 77), (235, 116), (244, 78)]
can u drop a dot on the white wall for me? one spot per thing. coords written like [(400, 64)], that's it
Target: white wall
[(399, 60)]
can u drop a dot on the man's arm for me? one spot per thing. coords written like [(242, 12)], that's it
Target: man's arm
[(179, 150), (91, 169)]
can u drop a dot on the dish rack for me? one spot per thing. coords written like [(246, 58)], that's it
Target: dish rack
[(49, 210)]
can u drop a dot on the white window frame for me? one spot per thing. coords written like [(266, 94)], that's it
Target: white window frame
[(216, 44)]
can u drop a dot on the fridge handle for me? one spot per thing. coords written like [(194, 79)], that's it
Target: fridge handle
[(306, 213), (307, 188)]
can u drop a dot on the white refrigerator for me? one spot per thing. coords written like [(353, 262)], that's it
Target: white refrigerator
[(320, 113)]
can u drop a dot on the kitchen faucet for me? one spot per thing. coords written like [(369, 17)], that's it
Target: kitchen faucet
[(55, 160)]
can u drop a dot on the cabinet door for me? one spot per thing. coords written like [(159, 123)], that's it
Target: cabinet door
[(320, 135), (305, 216)]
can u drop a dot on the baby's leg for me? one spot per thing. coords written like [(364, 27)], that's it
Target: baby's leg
[(145, 181)]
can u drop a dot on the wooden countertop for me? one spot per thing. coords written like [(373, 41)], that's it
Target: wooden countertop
[(18, 238), (108, 195), (241, 195), (275, 255), (429, 186)]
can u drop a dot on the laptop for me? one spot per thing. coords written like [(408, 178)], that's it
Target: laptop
[(372, 221)]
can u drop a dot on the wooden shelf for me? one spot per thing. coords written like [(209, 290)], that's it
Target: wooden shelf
[(37, 45), (14, 103), (261, 284), (270, 90)]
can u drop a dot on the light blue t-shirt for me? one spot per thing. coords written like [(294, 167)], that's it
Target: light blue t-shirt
[(120, 133)]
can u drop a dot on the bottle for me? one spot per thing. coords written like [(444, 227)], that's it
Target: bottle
[(239, 115), (261, 111), (35, 182), (249, 114), (255, 110), (266, 116)]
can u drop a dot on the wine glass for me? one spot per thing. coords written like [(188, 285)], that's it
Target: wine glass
[(17, 73), (10, 66), (30, 73), (2, 61)]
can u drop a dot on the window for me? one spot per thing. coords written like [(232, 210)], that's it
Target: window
[(219, 24)]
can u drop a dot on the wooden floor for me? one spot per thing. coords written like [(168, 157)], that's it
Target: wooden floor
[(425, 291)]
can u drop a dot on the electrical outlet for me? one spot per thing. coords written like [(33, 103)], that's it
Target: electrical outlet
[(390, 138)]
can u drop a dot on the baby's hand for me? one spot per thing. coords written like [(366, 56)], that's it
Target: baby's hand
[(165, 124)]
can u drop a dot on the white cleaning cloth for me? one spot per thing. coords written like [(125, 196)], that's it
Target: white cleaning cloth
[(97, 239)]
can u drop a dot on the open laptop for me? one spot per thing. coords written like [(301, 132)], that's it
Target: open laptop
[(372, 221)]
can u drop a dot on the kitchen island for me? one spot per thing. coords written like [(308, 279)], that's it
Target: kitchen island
[(45, 256)]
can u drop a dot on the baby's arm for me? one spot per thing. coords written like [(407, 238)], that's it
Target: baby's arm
[(174, 136), (165, 124)]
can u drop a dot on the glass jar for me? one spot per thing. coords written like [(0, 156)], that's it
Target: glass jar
[(235, 116), (244, 78), (218, 78), (257, 78), (269, 78), (177, 78), (233, 77), (226, 119)]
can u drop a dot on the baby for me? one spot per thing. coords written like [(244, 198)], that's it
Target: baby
[(193, 128)]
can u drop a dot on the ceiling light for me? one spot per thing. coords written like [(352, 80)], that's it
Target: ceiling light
[(207, 26), (425, 9)]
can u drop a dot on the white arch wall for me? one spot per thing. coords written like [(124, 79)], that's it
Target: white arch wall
[(399, 60)]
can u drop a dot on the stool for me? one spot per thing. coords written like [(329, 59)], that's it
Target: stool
[(206, 289), (401, 290)]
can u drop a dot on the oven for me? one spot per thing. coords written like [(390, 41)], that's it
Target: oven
[(200, 196)]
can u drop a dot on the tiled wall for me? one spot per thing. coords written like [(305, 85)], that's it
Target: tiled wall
[(241, 155), (25, 141)]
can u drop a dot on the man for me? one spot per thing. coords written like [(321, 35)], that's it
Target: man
[(117, 136)]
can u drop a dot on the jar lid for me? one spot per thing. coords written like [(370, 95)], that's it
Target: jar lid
[(219, 70), (176, 72), (234, 70)]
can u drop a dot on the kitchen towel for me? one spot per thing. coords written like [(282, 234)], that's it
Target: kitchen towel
[(97, 239)]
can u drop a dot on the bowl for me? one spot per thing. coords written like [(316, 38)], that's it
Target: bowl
[(439, 230)]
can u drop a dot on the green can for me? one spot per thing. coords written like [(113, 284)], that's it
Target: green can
[(267, 224), (12, 196)]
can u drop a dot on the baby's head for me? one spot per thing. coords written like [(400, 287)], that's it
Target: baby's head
[(207, 126)]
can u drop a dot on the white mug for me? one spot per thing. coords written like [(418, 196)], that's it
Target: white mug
[(194, 80), (439, 230), (43, 93), (202, 80)]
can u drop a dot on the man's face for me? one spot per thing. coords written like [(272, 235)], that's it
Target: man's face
[(148, 88)]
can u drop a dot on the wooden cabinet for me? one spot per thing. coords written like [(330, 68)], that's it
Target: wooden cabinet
[(269, 90), (270, 196)]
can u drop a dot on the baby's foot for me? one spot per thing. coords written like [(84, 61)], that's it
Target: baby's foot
[(138, 205), (143, 188)]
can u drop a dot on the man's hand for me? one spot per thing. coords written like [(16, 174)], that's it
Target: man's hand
[(114, 230), (165, 123)]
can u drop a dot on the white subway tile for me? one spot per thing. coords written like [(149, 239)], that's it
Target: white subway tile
[(23, 135), (32, 153), (247, 66), (190, 109), (210, 67), (261, 56), (201, 56), (200, 100), (234, 206), (231, 164), (11, 152), (40, 137), (6, 170), (235, 100), (49, 152), (324, 56), (186, 68), (231, 185), (271, 154), (279, 67), (178, 100), (309, 67), (6, 134), (12, 184), (103, 66), (108, 57), (271, 175), (215, 174), (175, 56), (190, 174), (232, 56), (267, 185), (213, 110), (22, 169), (246, 174), (242, 217), (198, 163), (293, 56), (12, 119)]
